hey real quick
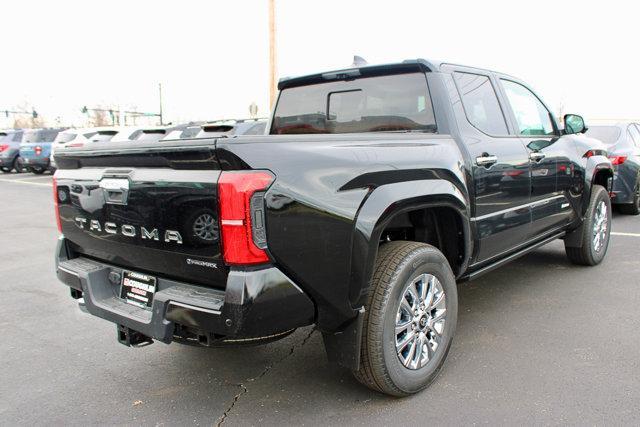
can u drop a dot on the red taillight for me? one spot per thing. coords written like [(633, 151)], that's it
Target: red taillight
[(617, 160), (3, 147), (235, 191), (38, 150), (56, 205)]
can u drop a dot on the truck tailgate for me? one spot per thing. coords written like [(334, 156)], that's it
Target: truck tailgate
[(160, 217)]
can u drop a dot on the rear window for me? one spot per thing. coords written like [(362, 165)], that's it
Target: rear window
[(257, 129), (44, 135), (607, 134), (104, 135), (151, 135), (398, 102), (64, 137)]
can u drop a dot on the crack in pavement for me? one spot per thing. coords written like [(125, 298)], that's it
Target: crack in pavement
[(245, 390)]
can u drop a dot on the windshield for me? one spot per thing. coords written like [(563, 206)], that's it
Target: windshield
[(42, 135), (398, 102), (607, 134)]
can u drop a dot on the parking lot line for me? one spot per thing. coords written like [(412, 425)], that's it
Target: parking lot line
[(619, 233), (18, 181)]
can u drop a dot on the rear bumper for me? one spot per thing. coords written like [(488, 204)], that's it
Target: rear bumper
[(256, 304), (42, 162), (6, 162)]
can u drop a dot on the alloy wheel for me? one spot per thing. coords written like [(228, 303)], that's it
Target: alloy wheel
[(600, 225), (420, 321)]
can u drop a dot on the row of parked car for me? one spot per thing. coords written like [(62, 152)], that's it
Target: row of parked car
[(32, 150)]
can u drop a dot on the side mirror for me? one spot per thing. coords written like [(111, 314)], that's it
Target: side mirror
[(574, 124), (540, 144)]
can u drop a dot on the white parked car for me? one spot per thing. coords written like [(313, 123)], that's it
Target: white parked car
[(78, 137)]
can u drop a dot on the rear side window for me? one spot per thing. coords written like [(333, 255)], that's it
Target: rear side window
[(481, 103), (398, 102)]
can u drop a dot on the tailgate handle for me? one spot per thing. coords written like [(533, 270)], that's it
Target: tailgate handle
[(116, 191)]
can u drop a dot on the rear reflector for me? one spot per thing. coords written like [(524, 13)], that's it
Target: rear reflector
[(38, 150), (56, 206), (617, 160), (241, 216)]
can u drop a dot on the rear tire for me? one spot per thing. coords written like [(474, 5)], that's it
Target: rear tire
[(632, 208), (399, 355), (6, 170), (18, 165), (595, 230), (38, 170)]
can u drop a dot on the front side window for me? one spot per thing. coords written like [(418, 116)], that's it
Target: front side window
[(481, 103), (532, 116), (397, 102)]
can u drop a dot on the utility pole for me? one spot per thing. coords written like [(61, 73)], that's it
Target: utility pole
[(160, 91), (272, 54)]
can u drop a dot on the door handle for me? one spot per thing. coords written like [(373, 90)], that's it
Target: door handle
[(486, 160), (536, 156)]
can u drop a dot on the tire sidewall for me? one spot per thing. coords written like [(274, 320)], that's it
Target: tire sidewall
[(424, 260)]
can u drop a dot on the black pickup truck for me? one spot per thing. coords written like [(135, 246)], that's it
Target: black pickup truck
[(376, 190)]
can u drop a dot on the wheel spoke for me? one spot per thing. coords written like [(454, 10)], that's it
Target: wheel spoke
[(407, 361), (406, 326), (430, 294), (437, 301), (404, 305), (415, 295), (417, 357), (439, 315), (410, 336)]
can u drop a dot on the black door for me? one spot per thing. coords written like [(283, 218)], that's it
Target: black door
[(500, 168), (546, 149)]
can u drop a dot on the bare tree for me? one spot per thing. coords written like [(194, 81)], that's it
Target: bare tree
[(101, 118)]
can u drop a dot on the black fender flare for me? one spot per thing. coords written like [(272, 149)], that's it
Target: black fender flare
[(595, 165), (378, 209)]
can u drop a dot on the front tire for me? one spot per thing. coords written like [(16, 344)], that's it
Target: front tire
[(595, 231), (410, 319)]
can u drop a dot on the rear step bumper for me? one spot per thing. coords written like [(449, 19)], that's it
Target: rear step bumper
[(257, 303)]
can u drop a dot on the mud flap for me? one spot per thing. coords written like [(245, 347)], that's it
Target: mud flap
[(343, 347)]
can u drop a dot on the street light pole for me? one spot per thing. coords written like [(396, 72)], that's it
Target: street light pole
[(272, 54), (160, 91)]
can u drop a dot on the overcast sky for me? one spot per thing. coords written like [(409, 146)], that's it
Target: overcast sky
[(212, 56)]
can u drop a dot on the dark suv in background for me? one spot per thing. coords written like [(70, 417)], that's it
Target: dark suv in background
[(10, 150), (623, 146)]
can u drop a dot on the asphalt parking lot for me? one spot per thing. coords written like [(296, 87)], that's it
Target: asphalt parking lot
[(539, 341)]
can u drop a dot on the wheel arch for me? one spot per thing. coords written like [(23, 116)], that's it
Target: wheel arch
[(388, 203)]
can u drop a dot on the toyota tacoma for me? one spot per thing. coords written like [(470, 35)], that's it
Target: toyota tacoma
[(376, 190)]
